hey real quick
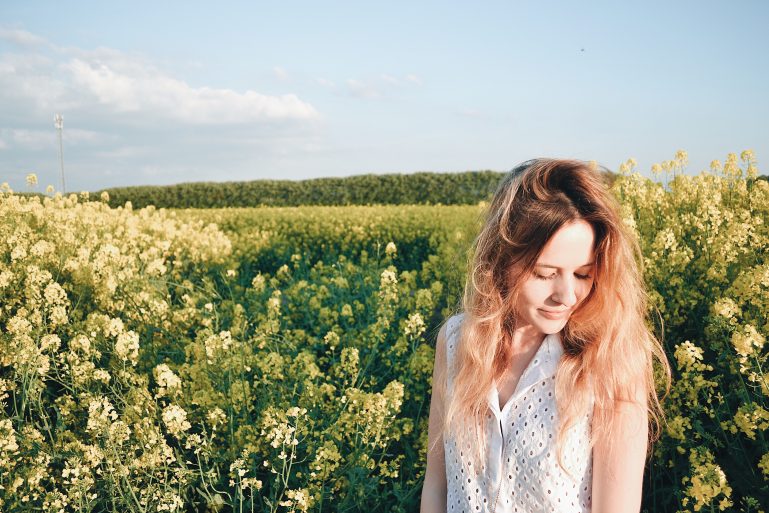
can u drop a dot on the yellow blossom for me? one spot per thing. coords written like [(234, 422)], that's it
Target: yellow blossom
[(175, 419), (747, 341)]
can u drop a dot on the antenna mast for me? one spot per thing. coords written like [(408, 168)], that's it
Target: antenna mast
[(58, 122)]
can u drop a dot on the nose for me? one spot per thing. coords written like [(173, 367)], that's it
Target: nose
[(565, 291)]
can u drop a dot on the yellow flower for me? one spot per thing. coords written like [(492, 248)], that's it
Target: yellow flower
[(258, 283), (764, 465), (216, 417), (175, 419), (415, 325), (127, 347), (748, 156), (101, 413), (747, 341), (749, 418), (678, 426), (687, 355), (682, 158), (707, 481), (297, 500), (167, 381), (727, 308)]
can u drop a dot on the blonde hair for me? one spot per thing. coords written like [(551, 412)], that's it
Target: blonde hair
[(608, 346)]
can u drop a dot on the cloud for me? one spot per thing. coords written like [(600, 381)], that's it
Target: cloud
[(280, 73), (147, 89), (469, 113), (21, 37), (42, 139), (123, 152), (414, 79), (328, 84), (30, 139), (121, 83), (129, 120), (360, 89), (390, 79), (379, 87)]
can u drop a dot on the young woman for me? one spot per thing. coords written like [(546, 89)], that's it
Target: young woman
[(543, 388)]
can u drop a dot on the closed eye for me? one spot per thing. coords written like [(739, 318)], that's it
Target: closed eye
[(552, 276)]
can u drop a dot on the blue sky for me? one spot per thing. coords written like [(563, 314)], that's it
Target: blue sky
[(168, 92)]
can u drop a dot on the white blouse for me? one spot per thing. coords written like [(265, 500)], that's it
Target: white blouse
[(521, 472)]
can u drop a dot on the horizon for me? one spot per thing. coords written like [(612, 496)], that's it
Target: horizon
[(244, 91)]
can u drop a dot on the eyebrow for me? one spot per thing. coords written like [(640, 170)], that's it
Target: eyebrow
[(556, 267)]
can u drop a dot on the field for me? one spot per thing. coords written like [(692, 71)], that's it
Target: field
[(280, 359)]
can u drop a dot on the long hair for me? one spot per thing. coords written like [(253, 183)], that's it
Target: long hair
[(608, 345)]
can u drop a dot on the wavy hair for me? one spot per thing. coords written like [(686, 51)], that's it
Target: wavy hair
[(609, 348)]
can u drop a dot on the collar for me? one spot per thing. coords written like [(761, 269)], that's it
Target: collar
[(543, 365)]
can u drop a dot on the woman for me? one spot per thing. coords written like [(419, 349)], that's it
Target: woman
[(543, 387)]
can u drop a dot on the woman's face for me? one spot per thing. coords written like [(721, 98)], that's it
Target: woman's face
[(561, 279)]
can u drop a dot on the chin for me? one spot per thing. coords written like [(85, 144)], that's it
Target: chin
[(553, 328), (548, 328)]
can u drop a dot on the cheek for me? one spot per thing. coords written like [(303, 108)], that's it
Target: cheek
[(584, 289), (534, 294)]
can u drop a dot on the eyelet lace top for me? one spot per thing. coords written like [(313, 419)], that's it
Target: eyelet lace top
[(520, 473)]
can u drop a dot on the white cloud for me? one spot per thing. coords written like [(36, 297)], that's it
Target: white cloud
[(390, 79), (42, 139), (360, 89), (149, 90), (119, 83), (129, 119), (325, 83), (34, 78), (123, 152), (469, 113), (21, 37), (32, 139), (379, 87), (414, 79), (280, 73), (77, 135)]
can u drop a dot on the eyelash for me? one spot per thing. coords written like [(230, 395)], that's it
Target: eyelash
[(552, 276)]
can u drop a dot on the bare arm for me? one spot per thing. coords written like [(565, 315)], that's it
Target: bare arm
[(618, 473), (434, 487)]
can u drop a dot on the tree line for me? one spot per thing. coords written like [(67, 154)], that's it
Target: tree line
[(424, 188)]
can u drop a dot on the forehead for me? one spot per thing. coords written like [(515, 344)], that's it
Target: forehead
[(569, 247)]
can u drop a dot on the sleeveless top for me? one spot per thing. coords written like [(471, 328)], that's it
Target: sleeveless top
[(520, 472)]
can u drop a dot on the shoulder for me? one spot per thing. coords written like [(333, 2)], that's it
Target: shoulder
[(453, 323), (451, 327), (447, 335)]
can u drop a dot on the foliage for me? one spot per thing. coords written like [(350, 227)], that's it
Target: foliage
[(705, 240), (280, 359), (465, 188)]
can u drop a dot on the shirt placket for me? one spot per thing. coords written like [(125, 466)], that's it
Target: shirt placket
[(504, 481), (498, 435)]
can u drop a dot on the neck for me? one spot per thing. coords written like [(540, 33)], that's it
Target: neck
[(525, 337)]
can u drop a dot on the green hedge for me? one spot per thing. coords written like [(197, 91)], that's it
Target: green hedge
[(464, 188)]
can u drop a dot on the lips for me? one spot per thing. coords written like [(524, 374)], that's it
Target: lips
[(554, 315)]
